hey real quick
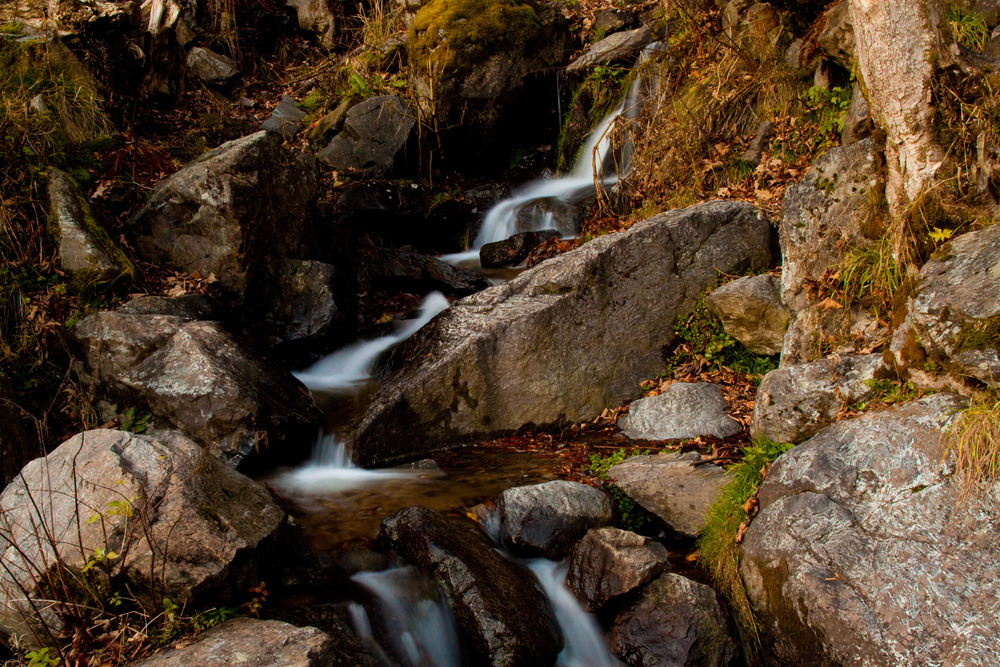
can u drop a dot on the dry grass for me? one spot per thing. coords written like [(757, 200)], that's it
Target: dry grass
[(974, 439)]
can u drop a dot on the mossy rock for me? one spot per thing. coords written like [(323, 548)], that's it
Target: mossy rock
[(456, 34)]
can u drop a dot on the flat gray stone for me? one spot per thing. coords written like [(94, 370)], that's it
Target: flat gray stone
[(683, 410), (250, 642), (212, 67), (609, 562), (612, 47), (672, 487), (286, 119)]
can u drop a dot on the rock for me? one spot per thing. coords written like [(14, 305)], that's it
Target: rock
[(406, 268), (86, 252), (478, 75), (857, 120), (611, 20), (760, 142), (562, 216), (866, 552), (174, 514), (250, 642), (613, 47), (316, 16), (683, 410), (19, 438), (609, 562), (212, 67), (547, 519), (490, 364), (836, 39), (305, 302), (499, 606), (231, 212), (795, 402), (187, 306), (374, 135), (751, 311), (822, 220), (672, 487), (675, 622), (513, 251), (201, 379), (956, 312), (286, 119)]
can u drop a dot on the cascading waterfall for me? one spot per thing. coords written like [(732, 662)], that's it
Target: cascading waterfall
[(352, 365), (596, 168)]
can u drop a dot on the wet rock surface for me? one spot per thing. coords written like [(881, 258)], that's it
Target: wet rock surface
[(795, 402), (609, 562), (488, 364), (862, 552), (203, 380), (672, 487), (251, 642), (514, 250), (406, 267), (206, 522), (286, 119), (502, 613), (751, 311), (683, 410), (956, 310), (674, 622), (230, 211), (547, 519)]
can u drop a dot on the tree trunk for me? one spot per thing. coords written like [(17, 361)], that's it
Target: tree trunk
[(897, 51)]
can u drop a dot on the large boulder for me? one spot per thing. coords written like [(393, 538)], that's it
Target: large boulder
[(822, 220), (956, 311), (501, 611), (683, 410), (19, 437), (609, 562), (751, 311), (511, 355), (866, 551), (374, 135), (176, 517), (231, 211), (86, 252), (678, 488), (547, 519), (796, 402), (203, 380), (674, 622), (250, 642)]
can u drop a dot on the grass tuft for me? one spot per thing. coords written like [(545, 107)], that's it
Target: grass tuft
[(727, 520), (974, 438)]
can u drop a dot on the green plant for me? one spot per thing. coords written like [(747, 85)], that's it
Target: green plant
[(41, 658), (633, 516), (701, 334), (974, 439), (719, 541), (871, 276), (970, 28), (130, 420), (890, 392), (829, 106)]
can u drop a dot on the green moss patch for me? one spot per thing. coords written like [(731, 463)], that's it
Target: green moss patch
[(979, 335), (456, 34)]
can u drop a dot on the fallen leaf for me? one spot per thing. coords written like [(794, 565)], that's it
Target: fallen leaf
[(829, 304)]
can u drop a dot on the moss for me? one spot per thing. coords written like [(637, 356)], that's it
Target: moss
[(456, 34), (979, 335)]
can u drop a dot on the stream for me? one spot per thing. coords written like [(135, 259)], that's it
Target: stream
[(403, 618)]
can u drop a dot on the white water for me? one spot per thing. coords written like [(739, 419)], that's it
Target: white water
[(331, 470), (593, 170), (421, 632), (584, 644), (352, 365)]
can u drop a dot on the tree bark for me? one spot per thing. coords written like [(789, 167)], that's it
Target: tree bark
[(897, 51)]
